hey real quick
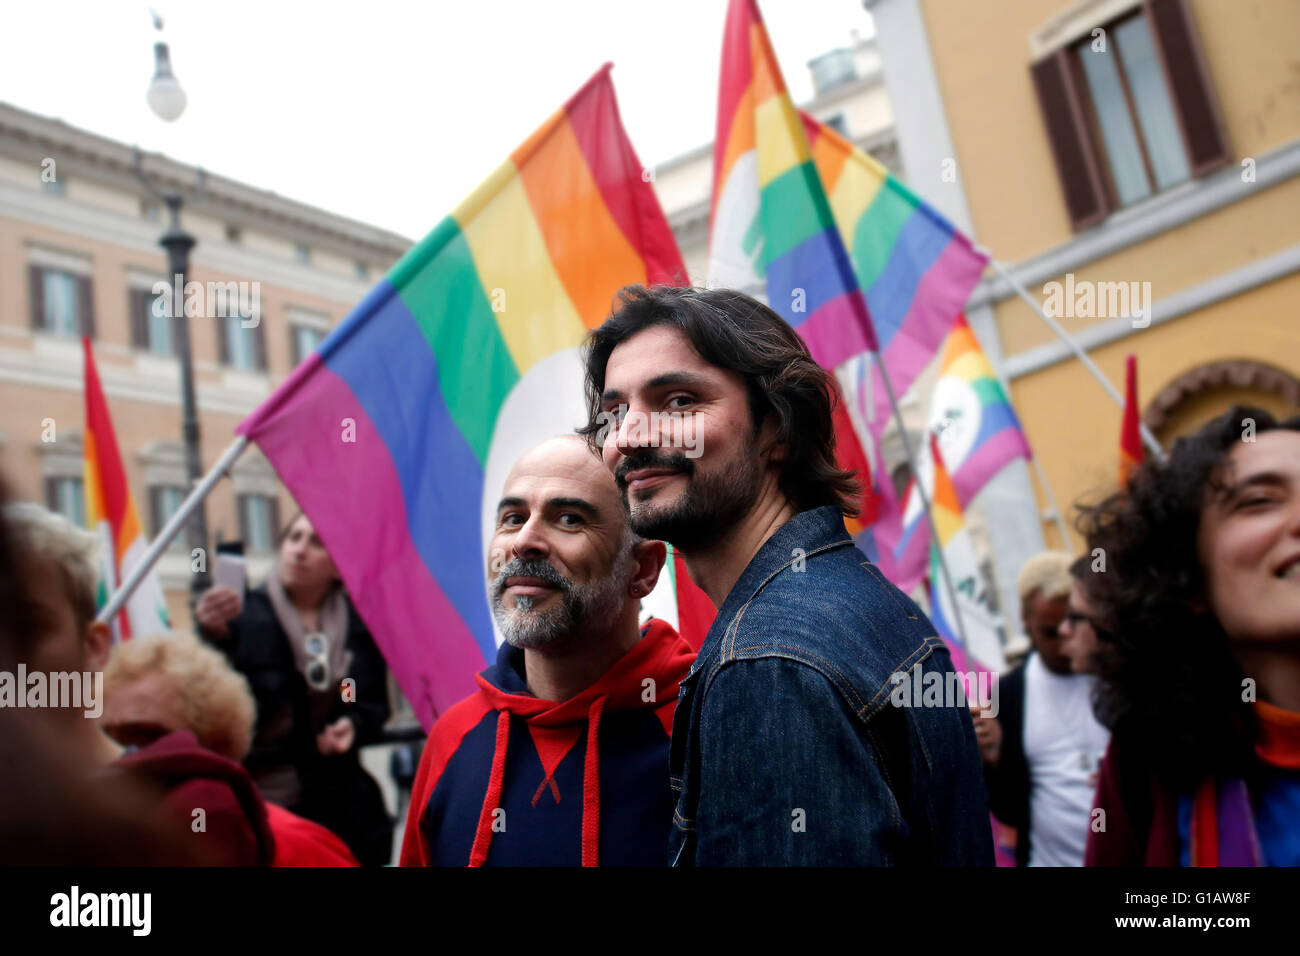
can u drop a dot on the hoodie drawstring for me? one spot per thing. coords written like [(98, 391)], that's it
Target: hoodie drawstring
[(492, 799), (591, 787)]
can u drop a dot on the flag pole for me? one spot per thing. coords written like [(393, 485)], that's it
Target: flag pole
[(159, 544), (1051, 500), (925, 497), (1148, 439)]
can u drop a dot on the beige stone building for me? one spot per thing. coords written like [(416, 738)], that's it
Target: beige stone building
[(79, 254)]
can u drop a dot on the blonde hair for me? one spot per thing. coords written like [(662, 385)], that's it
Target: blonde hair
[(35, 530), (1046, 575), (214, 698)]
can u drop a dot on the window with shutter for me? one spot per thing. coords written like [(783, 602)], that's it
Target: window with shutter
[(1189, 78), (137, 307), (1130, 112), (1071, 141), (223, 340), (259, 346), (85, 307), (36, 295)]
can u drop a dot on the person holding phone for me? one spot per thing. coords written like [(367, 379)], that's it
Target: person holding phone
[(320, 686)]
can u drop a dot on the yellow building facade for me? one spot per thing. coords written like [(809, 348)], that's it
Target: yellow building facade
[(1159, 147)]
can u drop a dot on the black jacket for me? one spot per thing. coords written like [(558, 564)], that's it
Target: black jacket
[(1008, 782), (336, 790)]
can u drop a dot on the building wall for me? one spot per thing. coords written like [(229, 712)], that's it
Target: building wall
[(982, 57), (41, 377)]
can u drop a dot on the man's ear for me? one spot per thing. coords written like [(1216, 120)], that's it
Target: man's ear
[(650, 558), (776, 451), (99, 644)]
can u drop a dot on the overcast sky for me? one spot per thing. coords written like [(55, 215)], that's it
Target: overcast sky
[(384, 111)]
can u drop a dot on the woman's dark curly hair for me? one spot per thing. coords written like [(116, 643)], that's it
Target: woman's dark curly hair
[(734, 331), (1169, 683)]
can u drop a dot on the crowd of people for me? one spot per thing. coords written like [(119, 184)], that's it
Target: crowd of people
[(1155, 720)]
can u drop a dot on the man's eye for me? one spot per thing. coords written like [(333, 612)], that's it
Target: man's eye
[(511, 519), (570, 519), (681, 401)]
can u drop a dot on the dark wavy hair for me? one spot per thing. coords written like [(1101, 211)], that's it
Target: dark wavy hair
[(1169, 683), (734, 331)]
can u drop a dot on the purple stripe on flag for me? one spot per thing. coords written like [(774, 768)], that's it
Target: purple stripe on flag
[(940, 296), (343, 486), (920, 245), (903, 557), (986, 460), (838, 330), (809, 275)]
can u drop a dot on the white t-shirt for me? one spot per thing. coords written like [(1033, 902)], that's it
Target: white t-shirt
[(1064, 745)]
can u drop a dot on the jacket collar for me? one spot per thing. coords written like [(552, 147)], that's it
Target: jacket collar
[(817, 529)]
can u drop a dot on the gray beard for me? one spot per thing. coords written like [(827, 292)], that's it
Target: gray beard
[(583, 609)]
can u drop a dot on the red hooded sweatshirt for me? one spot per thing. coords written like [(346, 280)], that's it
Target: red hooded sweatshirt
[(232, 829), (507, 779)]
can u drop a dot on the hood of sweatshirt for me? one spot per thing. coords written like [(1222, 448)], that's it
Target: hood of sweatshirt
[(649, 673), (191, 776)]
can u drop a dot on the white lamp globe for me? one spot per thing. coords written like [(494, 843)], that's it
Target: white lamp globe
[(165, 96)]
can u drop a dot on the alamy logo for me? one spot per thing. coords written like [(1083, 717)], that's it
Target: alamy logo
[(1099, 300), (103, 909), (945, 689), (215, 300), (75, 689)]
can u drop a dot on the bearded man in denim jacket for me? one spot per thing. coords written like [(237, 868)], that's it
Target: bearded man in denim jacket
[(787, 745)]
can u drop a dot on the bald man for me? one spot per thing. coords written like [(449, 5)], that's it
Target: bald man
[(560, 758)]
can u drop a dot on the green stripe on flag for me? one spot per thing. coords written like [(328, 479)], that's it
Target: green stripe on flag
[(876, 234), (791, 213), (475, 369)]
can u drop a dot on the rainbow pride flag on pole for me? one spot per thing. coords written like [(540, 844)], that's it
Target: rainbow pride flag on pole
[(981, 646), (771, 228), (770, 224), (916, 272), (914, 268), (111, 514), (396, 435), (977, 430)]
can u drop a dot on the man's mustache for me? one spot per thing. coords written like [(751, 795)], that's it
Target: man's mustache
[(631, 463), (519, 568)]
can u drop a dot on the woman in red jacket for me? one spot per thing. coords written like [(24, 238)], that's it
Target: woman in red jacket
[(1201, 675)]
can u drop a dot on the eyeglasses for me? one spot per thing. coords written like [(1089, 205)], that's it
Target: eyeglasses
[(1074, 618), (318, 666)]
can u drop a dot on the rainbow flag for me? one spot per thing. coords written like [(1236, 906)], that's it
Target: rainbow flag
[(974, 636), (770, 224), (771, 228), (914, 268), (1130, 436), (111, 514), (916, 272), (977, 430), (396, 435)]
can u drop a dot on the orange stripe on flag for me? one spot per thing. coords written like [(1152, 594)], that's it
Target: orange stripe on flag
[(574, 220)]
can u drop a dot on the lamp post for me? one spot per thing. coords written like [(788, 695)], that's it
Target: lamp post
[(167, 100)]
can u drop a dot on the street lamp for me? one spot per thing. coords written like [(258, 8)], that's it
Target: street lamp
[(167, 100)]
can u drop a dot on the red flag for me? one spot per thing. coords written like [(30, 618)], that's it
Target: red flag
[(1130, 436)]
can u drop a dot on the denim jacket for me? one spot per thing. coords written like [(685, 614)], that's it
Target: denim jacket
[(787, 746)]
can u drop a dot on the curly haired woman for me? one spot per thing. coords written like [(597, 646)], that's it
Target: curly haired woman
[(1201, 670)]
